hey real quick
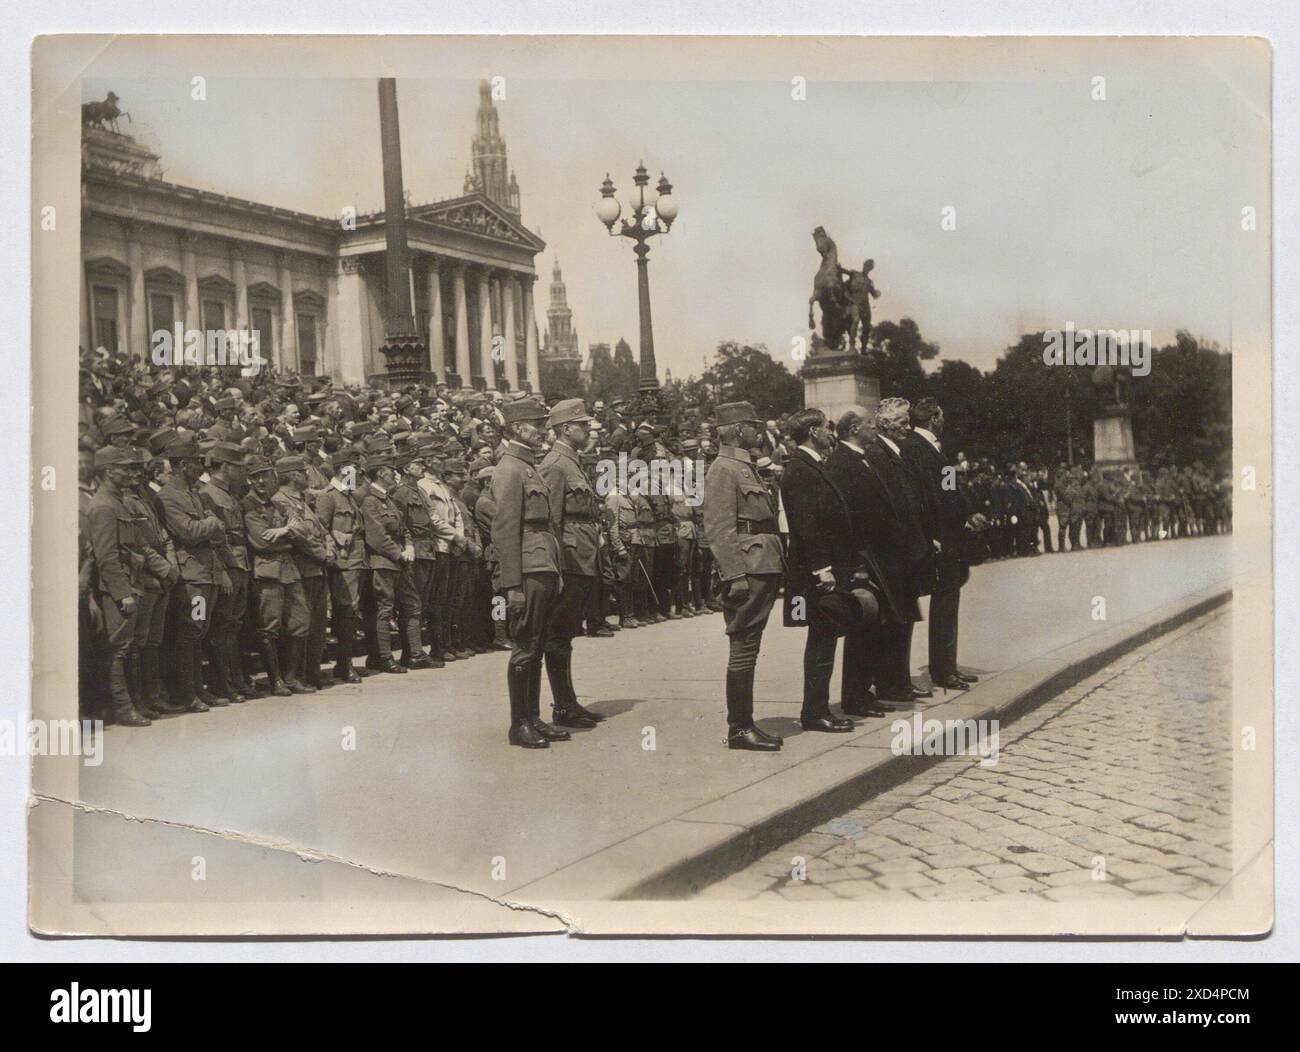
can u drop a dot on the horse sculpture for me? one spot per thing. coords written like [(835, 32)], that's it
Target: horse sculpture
[(102, 114), (845, 299), (828, 293)]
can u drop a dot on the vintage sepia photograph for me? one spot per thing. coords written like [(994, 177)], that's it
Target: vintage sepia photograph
[(651, 485)]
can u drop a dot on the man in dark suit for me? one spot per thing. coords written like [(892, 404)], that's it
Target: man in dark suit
[(821, 561), (874, 529), (906, 550), (946, 512)]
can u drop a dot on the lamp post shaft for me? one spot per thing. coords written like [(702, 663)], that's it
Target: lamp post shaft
[(649, 372)]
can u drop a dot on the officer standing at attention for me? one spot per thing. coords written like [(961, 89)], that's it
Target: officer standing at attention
[(574, 521), (123, 560), (741, 530), (528, 568)]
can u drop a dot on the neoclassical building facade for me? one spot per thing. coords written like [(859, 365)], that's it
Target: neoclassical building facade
[(156, 254)]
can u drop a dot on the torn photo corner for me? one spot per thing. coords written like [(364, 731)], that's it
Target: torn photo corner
[(695, 485)]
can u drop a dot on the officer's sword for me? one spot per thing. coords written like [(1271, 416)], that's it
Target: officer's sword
[(648, 581)]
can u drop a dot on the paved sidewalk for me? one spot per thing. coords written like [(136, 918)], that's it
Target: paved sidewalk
[(430, 802), (1118, 788)]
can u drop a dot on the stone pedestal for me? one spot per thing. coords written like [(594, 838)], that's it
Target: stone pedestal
[(1112, 439), (835, 383)]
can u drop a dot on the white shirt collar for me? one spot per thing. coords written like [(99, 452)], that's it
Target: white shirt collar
[(855, 447), (890, 445), (929, 436), (812, 453)]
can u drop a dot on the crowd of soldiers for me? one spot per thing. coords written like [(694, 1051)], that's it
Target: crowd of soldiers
[(1093, 507), (320, 534), (232, 523)]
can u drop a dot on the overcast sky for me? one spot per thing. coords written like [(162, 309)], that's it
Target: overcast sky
[(1118, 213)]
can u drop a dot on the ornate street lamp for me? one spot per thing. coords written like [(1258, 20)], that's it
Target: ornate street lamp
[(653, 212)]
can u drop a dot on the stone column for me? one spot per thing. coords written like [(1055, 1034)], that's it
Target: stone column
[(190, 310), (437, 341), (350, 322), (530, 338), (240, 276), (138, 329), (508, 330), (287, 352), (464, 357), (87, 333), (485, 327)]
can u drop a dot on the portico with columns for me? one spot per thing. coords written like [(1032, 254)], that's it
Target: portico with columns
[(156, 254)]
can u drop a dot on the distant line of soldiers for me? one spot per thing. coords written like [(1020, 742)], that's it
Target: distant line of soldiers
[(1094, 507)]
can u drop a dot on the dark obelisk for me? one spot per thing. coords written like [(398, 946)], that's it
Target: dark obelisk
[(404, 351)]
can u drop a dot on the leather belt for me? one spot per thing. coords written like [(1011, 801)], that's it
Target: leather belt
[(756, 526), (536, 527)]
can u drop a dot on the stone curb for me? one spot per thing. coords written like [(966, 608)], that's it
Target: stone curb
[(678, 857)]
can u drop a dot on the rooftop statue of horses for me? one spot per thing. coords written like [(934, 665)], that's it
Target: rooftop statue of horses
[(102, 114)]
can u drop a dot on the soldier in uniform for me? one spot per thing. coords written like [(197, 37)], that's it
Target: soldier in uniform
[(485, 510), (686, 541), (606, 573), (312, 553), (339, 513), (197, 535), (740, 524), (665, 552), (1091, 490), (1134, 505), (620, 517), (151, 613), (574, 521), (425, 527), (220, 495), (282, 617), (466, 555), (122, 559), (438, 606), (647, 539), (391, 556), (307, 441), (528, 560)]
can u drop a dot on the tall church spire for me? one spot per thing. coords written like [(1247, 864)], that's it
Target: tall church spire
[(491, 174), (561, 339)]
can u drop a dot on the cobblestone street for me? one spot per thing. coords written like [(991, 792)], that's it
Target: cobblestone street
[(1119, 787)]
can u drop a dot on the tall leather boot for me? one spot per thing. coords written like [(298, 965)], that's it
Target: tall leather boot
[(131, 664), (313, 653), (559, 670), (221, 677), (208, 697), (123, 710), (522, 731), (741, 731), (186, 686), (500, 637), (271, 662), (151, 688), (413, 655), (295, 649), (534, 708), (565, 709), (441, 647), (343, 670), (235, 667), (626, 611)]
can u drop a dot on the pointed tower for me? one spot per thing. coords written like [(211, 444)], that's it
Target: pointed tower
[(492, 175), (561, 340)]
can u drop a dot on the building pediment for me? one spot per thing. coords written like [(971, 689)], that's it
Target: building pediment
[(478, 215)]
